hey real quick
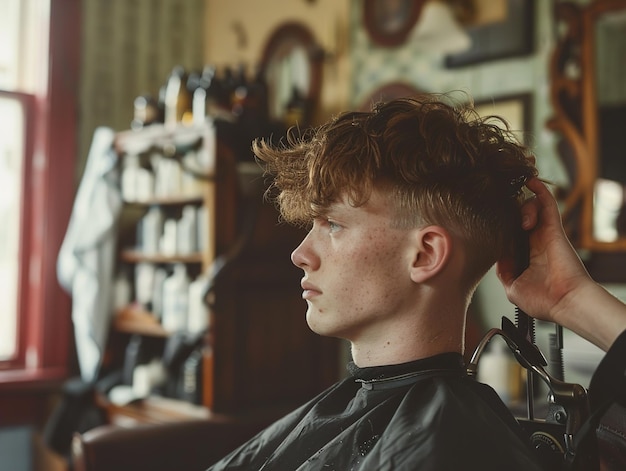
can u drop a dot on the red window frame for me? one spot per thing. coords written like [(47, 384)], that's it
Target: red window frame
[(44, 351)]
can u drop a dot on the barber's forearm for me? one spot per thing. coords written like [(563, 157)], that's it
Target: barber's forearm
[(595, 314)]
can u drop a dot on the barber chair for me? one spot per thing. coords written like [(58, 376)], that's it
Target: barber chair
[(177, 446)]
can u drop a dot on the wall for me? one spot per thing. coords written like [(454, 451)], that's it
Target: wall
[(361, 65), (373, 65), (128, 49), (237, 32)]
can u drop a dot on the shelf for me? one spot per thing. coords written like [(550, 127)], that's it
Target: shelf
[(135, 320), (136, 256), (254, 336), (174, 139), (168, 201)]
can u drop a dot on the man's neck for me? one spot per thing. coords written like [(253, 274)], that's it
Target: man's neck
[(407, 345)]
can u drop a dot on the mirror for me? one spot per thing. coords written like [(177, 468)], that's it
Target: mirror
[(589, 99), (292, 68), (610, 49)]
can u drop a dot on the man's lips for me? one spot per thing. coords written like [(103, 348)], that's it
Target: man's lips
[(309, 290)]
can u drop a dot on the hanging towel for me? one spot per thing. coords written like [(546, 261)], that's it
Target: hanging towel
[(86, 259)]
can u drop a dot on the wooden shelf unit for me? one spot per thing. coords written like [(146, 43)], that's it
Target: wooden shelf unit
[(259, 352)]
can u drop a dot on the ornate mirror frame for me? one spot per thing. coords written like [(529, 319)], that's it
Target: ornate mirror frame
[(576, 118), (389, 22), (286, 38)]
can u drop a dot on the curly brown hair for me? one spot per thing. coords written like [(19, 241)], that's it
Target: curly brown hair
[(442, 164)]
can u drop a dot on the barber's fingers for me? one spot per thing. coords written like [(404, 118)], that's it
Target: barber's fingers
[(530, 213), (540, 209), (534, 212), (505, 270)]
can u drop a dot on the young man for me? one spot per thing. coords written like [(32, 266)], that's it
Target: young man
[(408, 207)]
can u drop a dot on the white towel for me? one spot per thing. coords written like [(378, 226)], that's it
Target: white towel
[(86, 259)]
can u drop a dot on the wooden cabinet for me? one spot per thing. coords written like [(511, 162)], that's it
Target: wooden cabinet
[(257, 352)]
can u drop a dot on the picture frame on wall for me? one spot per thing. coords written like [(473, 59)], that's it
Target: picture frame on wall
[(503, 29), (515, 109), (389, 22)]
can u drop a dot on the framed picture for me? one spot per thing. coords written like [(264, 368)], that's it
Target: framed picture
[(502, 28), (514, 109), (389, 22)]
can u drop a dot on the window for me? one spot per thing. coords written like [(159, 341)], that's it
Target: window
[(37, 168), (12, 150)]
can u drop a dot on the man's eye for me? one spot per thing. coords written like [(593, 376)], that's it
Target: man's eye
[(333, 226)]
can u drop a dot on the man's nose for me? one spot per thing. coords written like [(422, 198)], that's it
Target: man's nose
[(304, 256)]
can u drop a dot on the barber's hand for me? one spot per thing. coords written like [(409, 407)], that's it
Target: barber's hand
[(555, 271)]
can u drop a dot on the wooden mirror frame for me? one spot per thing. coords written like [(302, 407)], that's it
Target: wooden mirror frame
[(299, 33), (576, 118), (409, 10)]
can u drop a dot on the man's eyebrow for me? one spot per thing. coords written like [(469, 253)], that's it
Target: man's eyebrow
[(336, 209)]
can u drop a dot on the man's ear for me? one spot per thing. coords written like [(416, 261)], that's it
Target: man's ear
[(434, 248)]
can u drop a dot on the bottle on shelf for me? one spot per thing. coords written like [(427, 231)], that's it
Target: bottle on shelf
[(144, 280), (145, 112), (151, 227), (175, 299), (160, 275), (177, 98), (168, 244), (203, 228), (168, 174), (190, 184), (186, 231), (198, 316), (137, 182), (204, 94)]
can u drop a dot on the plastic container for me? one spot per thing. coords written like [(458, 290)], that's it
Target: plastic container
[(151, 230), (176, 300), (198, 316), (186, 240), (169, 244), (144, 279)]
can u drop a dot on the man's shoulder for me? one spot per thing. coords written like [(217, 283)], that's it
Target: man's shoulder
[(450, 424)]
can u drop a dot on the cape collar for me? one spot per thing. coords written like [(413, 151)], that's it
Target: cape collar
[(393, 376)]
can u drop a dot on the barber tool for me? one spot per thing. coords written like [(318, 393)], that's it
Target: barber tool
[(552, 437)]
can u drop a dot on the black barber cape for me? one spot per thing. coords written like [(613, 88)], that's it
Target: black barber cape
[(422, 415)]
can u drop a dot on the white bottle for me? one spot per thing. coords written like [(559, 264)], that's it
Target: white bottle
[(129, 177), (145, 184), (202, 228), (186, 233), (168, 244), (198, 317), (151, 230), (176, 299), (144, 279), (170, 175), (157, 160), (160, 275)]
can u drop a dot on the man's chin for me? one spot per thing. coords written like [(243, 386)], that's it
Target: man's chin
[(317, 325)]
